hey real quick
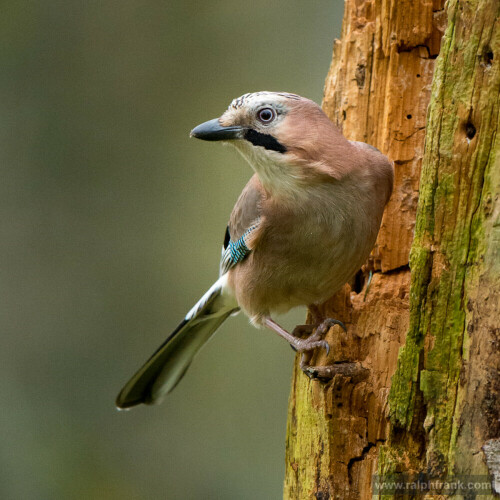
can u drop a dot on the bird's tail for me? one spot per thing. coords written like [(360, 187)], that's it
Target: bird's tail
[(165, 368)]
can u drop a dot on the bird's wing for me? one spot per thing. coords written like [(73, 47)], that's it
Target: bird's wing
[(243, 225)]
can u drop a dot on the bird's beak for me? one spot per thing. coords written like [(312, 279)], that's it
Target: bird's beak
[(214, 131)]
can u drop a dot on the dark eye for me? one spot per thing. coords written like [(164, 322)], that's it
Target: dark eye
[(266, 115)]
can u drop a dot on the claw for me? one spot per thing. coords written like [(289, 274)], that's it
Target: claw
[(331, 322), (326, 345)]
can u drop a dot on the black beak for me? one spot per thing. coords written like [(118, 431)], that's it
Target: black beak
[(214, 131)]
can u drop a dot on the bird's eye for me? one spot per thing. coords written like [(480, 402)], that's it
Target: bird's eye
[(266, 115)]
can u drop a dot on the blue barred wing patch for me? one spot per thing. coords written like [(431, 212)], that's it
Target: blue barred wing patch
[(234, 251)]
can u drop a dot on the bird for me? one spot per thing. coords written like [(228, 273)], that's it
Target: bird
[(302, 227)]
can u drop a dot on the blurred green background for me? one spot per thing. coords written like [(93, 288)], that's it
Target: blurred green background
[(112, 222)]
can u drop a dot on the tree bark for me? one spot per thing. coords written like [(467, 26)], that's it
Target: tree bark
[(438, 341)]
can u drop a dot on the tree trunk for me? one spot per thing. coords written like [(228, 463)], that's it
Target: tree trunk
[(441, 415)]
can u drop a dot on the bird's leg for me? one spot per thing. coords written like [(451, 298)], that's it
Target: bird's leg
[(306, 345), (320, 331), (316, 322), (300, 345)]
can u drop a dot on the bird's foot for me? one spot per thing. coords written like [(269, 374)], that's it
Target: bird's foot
[(314, 340), (321, 329), (305, 345), (309, 344), (309, 337)]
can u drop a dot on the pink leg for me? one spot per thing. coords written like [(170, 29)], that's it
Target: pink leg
[(308, 344), (299, 344)]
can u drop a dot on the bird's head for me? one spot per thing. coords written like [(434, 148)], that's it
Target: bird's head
[(287, 139)]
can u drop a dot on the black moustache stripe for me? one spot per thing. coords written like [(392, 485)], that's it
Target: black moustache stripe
[(265, 140)]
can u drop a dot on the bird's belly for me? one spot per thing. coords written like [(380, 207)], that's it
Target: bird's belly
[(310, 274)]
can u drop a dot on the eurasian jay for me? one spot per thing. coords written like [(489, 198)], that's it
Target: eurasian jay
[(303, 225)]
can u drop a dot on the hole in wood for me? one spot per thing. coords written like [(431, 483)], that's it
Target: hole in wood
[(470, 130), (360, 75), (409, 117), (359, 282), (487, 56)]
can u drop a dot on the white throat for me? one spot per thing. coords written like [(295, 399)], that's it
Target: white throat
[(278, 176)]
